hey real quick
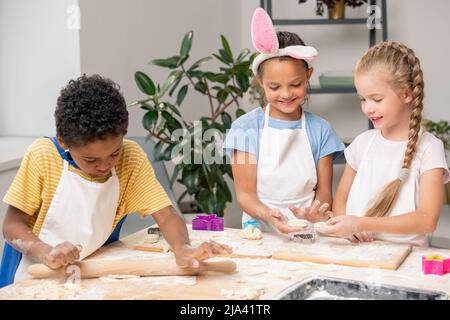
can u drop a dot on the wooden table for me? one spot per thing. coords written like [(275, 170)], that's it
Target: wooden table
[(254, 279)]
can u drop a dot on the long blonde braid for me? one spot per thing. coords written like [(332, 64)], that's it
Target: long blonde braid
[(405, 73)]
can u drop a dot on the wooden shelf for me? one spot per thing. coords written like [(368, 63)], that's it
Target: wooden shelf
[(288, 22), (320, 90)]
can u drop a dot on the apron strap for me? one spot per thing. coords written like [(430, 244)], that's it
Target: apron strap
[(115, 234), (266, 116), (10, 262), (64, 154), (366, 151)]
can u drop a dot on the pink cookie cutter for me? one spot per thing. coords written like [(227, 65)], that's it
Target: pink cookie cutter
[(435, 265), (209, 222)]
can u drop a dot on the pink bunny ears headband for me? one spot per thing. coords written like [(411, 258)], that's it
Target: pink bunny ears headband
[(265, 41)]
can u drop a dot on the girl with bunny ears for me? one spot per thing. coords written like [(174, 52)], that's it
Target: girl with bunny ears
[(392, 186), (281, 155)]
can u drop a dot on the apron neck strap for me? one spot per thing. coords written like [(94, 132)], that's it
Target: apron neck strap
[(64, 154), (266, 116)]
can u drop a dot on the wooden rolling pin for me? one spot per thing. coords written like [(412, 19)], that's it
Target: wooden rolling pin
[(137, 267)]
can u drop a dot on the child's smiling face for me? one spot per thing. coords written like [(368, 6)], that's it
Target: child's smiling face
[(285, 85), (386, 107), (98, 157)]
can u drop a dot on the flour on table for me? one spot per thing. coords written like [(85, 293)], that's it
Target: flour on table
[(243, 294)]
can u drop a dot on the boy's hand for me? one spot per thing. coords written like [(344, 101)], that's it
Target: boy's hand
[(315, 213), (61, 255), (280, 222), (189, 257)]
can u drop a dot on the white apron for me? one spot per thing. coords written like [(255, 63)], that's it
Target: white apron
[(374, 172), (81, 212), (286, 171)]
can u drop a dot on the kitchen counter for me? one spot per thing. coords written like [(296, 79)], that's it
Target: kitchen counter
[(261, 278)]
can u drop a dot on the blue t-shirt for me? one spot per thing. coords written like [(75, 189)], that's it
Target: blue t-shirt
[(245, 134)]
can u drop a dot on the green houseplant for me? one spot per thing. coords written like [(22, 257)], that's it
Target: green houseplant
[(441, 130), (336, 8), (184, 142)]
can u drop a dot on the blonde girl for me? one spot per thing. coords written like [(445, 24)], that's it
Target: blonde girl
[(392, 185)]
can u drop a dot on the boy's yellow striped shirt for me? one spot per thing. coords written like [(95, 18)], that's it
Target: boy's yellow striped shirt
[(36, 181)]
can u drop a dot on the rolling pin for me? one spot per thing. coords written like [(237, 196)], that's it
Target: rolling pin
[(137, 267)]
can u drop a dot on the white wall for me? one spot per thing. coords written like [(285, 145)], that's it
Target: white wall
[(38, 55)]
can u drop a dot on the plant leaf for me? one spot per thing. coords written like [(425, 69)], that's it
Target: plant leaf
[(222, 78), (170, 63), (195, 74), (242, 55), (225, 56), (239, 112), (222, 95), (242, 81), (186, 44), (173, 108), (175, 173), (220, 58), (157, 155), (175, 85), (182, 60), (190, 179), (200, 87), (199, 62), (167, 154), (206, 201), (149, 119), (226, 119), (144, 83), (169, 81), (226, 47), (182, 94), (171, 122)]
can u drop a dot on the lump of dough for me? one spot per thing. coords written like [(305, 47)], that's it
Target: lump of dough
[(298, 223), (251, 233)]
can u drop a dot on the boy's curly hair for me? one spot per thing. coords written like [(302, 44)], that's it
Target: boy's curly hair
[(90, 108)]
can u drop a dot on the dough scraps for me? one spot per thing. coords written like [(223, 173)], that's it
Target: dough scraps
[(251, 233)]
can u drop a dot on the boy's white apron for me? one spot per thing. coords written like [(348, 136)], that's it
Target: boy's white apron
[(374, 172), (81, 212), (286, 171)]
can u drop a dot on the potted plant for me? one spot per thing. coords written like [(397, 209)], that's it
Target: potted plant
[(186, 143), (336, 8), (441, 130)]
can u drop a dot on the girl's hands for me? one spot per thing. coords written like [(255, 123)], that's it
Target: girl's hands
[(280, 222), (189, 257), (343, 226), (59, 256), (315, 213), (361, 237)]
